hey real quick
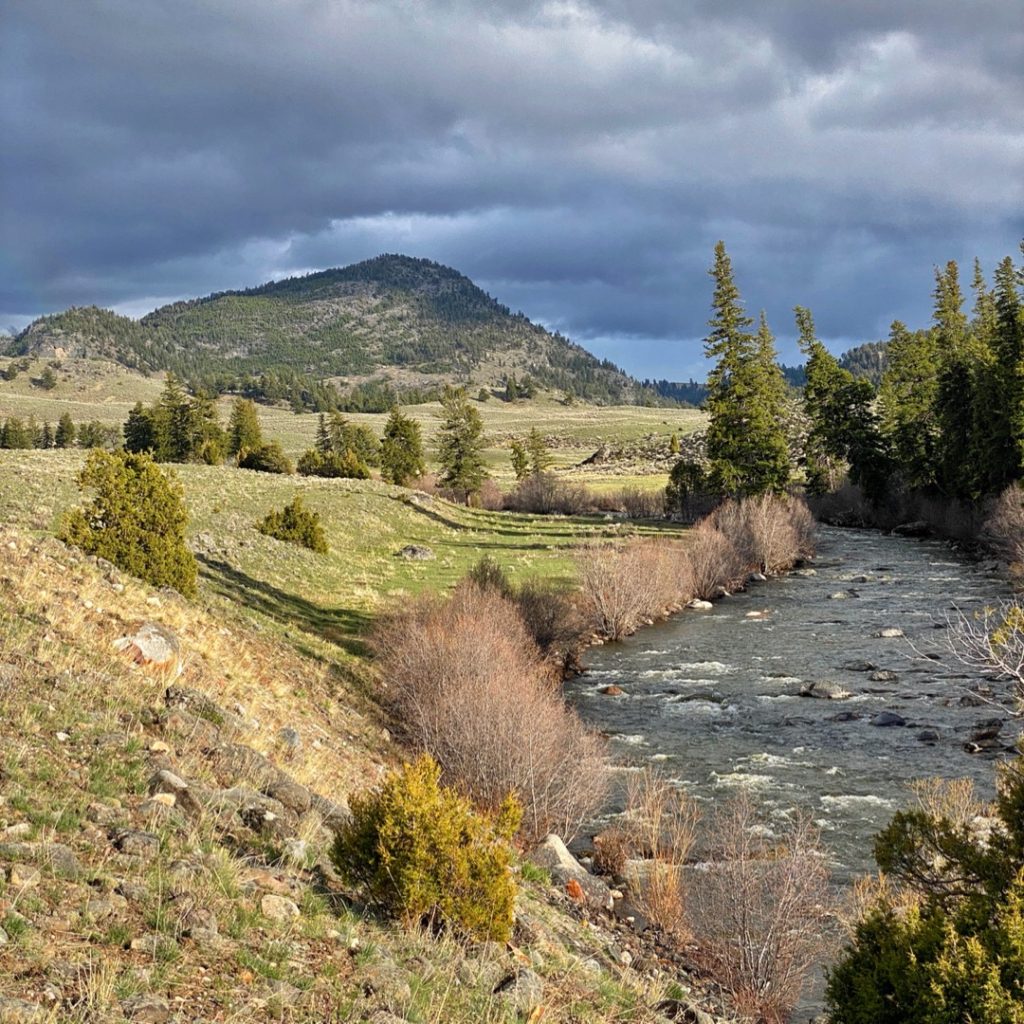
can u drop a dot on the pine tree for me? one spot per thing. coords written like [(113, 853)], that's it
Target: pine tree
[(65, 435), (47, 379), (244, 432), (746, 445), (142, 431), (539, 452), (1006, 399), (401, 453), (907, 404), (460, 447), (520, 460), (954, 405), (323, 436), (45, 438), (15, 434), (177, 431)]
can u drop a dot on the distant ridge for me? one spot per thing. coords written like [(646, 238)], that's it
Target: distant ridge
[(410, 322)]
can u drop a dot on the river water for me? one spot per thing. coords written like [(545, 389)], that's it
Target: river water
[(713, 698)]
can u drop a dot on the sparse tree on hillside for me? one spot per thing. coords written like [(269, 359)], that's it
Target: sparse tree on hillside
[(323, 442), (47, 379), (244, 432), (15, 434), (65, 435), (520, 460), (539, 452), (142, 431), (401, 455), (44, 439), (460, 451), (136, 520)]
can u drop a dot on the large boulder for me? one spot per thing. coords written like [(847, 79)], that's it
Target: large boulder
[(824, 691), (152, 646), (564, 868)]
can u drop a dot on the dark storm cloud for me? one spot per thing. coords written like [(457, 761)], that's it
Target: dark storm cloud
[(578, 158)]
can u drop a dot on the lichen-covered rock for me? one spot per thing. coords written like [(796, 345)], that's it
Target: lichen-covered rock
[(152, 646)]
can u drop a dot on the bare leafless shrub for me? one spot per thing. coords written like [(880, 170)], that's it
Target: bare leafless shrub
[(612, 848), (954, 800), (713, 562), (661, 823), (771, 532), (990, 640), (759, 911), (551, 618), (623, 586), (546, 494), (491, 496), (468, 685), (638, 503), (1004, 527)]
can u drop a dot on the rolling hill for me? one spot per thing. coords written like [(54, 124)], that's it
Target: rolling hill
[(411, 323)]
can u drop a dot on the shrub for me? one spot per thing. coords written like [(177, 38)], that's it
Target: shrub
[(769, 531), (331, 464), (468, 685), (488, 574), (688, 495), (136, 520), (943, 940), (401, 450), (551, 619), (545, 494), (713, 562), (642, 504), (759, 911), (267, 458), (296, 524), (622, 586), (1004, 527), (425, 856)]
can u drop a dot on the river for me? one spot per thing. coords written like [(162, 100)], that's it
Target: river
[(713, 698)]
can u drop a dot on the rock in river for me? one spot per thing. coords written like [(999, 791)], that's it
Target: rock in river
[(888, 719)]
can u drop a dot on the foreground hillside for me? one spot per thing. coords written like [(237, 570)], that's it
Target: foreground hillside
[(394, 318), (172, 772)]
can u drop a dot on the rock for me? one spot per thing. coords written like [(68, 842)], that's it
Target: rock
[(524, 989), (888, 719), (21, 1011), (290, 737), (333, 815), (929, 736), (917, 528), (102, 908), (613, 691), (4, 938), (757, 577), (416, 553), (883, 676), (137, 844), (166, 783), (860, 666), (289, 793), (701, 606), (148, 1009), (157, 808), (564, 868), (824, 691), (762, 614), (388, 981), (843, 595), (682, 1012), (18, 831), (279, 908), (988, 730), (296, 850), (846, 716), (804, 572), (152, 645), (889, 633)]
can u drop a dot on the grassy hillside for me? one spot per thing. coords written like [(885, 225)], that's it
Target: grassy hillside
[(394, 318), (93, 389)]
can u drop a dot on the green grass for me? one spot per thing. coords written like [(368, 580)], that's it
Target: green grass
[(329, 597)]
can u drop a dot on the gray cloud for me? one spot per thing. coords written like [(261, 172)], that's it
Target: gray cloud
[(578, 158)]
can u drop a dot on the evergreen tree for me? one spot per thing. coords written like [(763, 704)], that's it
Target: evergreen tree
[(954, 406), (323, 443), (15, 434), (907, 404), (136, 520), (209, 439), (47, 379), (520, 460), (178, 434), (539, 452), (1006, 397), (746, 445), (244, 432), (65, 435), (460, 448), (142, 431), (401, 454), (45, 437)]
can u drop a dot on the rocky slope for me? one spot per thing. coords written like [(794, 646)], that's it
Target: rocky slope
[(168, 787)]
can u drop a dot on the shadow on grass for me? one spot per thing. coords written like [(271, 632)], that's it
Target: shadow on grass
[(345, 627)]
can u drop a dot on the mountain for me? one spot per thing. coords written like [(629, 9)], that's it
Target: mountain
[(410, 322)]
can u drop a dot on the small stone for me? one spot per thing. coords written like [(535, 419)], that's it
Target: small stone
[(700, 605), (152, 645), (889, 633), (296, 850), (63, 737), (159, 747), (18, 831), (278, 908), (929, 736), (883, 676), (290, 737), (613, 691), (416, 553), (22, 876), (524, 989), (888, 719), (137, 844), (20, 1011), (147, 1009), (4, 938)]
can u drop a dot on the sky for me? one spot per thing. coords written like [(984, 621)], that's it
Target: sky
[(577, 159)]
